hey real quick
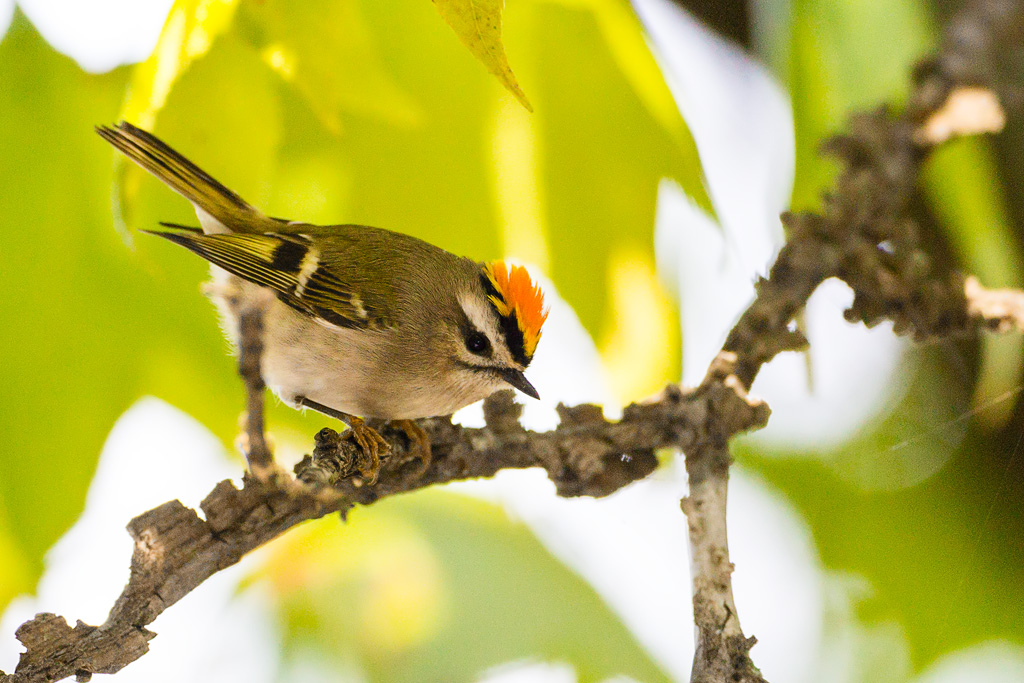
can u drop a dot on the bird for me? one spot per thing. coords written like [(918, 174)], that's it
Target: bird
[(359, 322)]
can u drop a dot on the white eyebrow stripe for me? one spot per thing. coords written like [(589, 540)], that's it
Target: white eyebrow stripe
[(476, 314), (484, 319), (306, 269)]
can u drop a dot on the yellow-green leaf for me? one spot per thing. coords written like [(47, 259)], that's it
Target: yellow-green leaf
[(224, 114), (187, 35), (17, 572), (629, 47), (603, 154), (326, 51), (69, 344), (477, 23)]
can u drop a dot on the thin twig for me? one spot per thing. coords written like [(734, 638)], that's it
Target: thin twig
[(866, 236), (1000, 310), (250, 354)]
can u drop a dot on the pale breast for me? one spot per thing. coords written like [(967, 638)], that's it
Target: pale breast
[(345, 369)]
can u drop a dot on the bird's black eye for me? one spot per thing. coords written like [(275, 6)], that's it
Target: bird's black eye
[(476, 342)]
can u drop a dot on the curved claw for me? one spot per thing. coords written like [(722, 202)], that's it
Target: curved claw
[(372, 444), (369, 441), (419, 437)]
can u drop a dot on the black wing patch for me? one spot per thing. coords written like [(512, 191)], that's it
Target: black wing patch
[(288, 264)]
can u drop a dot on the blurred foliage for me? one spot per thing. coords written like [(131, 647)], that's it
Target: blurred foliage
[(330, 112), (371, 112), (67, 313), (836, 59), (188, 33), (412, 590), (924, 503)]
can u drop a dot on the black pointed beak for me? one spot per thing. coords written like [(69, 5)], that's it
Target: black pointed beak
[(517, 379)]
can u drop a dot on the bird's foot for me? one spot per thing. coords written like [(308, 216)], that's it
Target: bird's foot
[(371, 444), (419, 437)]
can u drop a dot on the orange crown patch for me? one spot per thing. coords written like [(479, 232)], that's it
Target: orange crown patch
[(515, 293)]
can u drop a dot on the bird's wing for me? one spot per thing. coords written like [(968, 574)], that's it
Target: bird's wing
[(289, 264)]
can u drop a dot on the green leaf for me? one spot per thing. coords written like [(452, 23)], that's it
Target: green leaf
[(67, 335), (326, 51), (17, 576), (962, 185), (629, 46), (439, 587), (477, 23), (836, 58), (603, 155), (188, 33)]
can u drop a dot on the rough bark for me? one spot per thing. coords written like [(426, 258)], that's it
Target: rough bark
[(866, 236), (176, 549)]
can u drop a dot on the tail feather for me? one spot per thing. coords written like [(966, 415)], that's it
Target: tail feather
[(208, 196)]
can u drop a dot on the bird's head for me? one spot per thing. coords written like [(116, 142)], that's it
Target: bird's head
[(501, 327)]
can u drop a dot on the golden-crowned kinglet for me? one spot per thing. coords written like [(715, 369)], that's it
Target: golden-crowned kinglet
[(357, 320)]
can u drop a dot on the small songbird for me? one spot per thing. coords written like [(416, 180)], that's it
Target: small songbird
[(359, 322)]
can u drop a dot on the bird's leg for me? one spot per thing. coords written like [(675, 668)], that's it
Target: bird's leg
[(419, 437), (372, 444)]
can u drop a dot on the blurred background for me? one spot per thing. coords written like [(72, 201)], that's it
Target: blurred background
[(875, 524)]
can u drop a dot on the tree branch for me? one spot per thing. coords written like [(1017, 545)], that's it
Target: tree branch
[(176, 549), (1000, 310), (864, 235), (250, 354)]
